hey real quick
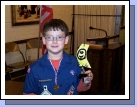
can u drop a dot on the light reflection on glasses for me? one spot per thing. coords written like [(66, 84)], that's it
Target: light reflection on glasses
[(51, 38)]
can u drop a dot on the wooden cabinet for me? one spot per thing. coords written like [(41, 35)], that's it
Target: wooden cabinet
[(106, 66)]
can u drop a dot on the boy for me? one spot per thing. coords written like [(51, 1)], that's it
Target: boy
[(55, 72)]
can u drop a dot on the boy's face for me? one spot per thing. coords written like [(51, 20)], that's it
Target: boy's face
[(54, 41)]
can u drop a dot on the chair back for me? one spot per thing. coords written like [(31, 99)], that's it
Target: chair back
[(13, 53), (11, 47), (32, 50), (33, 43)]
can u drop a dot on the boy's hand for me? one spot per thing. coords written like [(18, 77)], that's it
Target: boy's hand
[(89, 77)]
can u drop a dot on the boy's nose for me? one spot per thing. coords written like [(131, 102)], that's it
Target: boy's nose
[(55, 39)]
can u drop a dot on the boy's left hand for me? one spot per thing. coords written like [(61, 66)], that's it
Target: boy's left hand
[(89, 77)]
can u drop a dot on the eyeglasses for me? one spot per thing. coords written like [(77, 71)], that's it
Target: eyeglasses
[(58, 38)]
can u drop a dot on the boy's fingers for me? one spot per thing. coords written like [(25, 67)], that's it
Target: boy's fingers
[(87, 72), (88, 79), (90, 74)]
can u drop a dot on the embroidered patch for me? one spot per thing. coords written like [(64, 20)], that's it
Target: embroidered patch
[(28, 70), (45, 80), (71, 91), (72, 72)]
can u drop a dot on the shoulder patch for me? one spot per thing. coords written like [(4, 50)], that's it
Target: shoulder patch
[(72, 72), (28, 70)]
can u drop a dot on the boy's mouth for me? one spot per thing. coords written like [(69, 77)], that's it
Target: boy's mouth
[(54, 46)]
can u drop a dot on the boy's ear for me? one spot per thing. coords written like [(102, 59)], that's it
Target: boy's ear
[(66, 40), (43, 39)]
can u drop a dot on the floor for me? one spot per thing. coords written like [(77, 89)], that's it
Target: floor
[(14, 87)]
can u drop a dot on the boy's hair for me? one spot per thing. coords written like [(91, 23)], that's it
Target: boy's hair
[(55, 24)]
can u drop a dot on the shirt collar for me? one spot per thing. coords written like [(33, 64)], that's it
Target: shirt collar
[(65, 59)]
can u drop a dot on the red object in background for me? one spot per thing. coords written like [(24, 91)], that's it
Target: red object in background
[(46, 15), (25, 15), (43, 49)]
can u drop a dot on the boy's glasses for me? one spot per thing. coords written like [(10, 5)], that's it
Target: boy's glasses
[(58, 38)]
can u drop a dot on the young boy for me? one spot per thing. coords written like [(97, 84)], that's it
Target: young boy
[(56, 72)]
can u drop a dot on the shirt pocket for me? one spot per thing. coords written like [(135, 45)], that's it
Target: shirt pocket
[(71, 80)]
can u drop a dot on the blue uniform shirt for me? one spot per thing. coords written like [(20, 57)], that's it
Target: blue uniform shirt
[(42, 73)]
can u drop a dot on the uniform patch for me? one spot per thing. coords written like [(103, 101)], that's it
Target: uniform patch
[(71, 91), (72, 72), (28, 70), (46, 80)]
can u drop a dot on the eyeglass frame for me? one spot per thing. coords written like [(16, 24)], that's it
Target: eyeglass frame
[(49, 37)]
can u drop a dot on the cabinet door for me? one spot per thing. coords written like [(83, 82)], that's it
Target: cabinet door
[(95, 60)]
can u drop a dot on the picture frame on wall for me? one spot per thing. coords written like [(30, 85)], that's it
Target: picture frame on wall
[(25, 14)]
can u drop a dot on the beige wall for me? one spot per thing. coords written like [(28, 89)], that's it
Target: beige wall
[(15, 33)]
